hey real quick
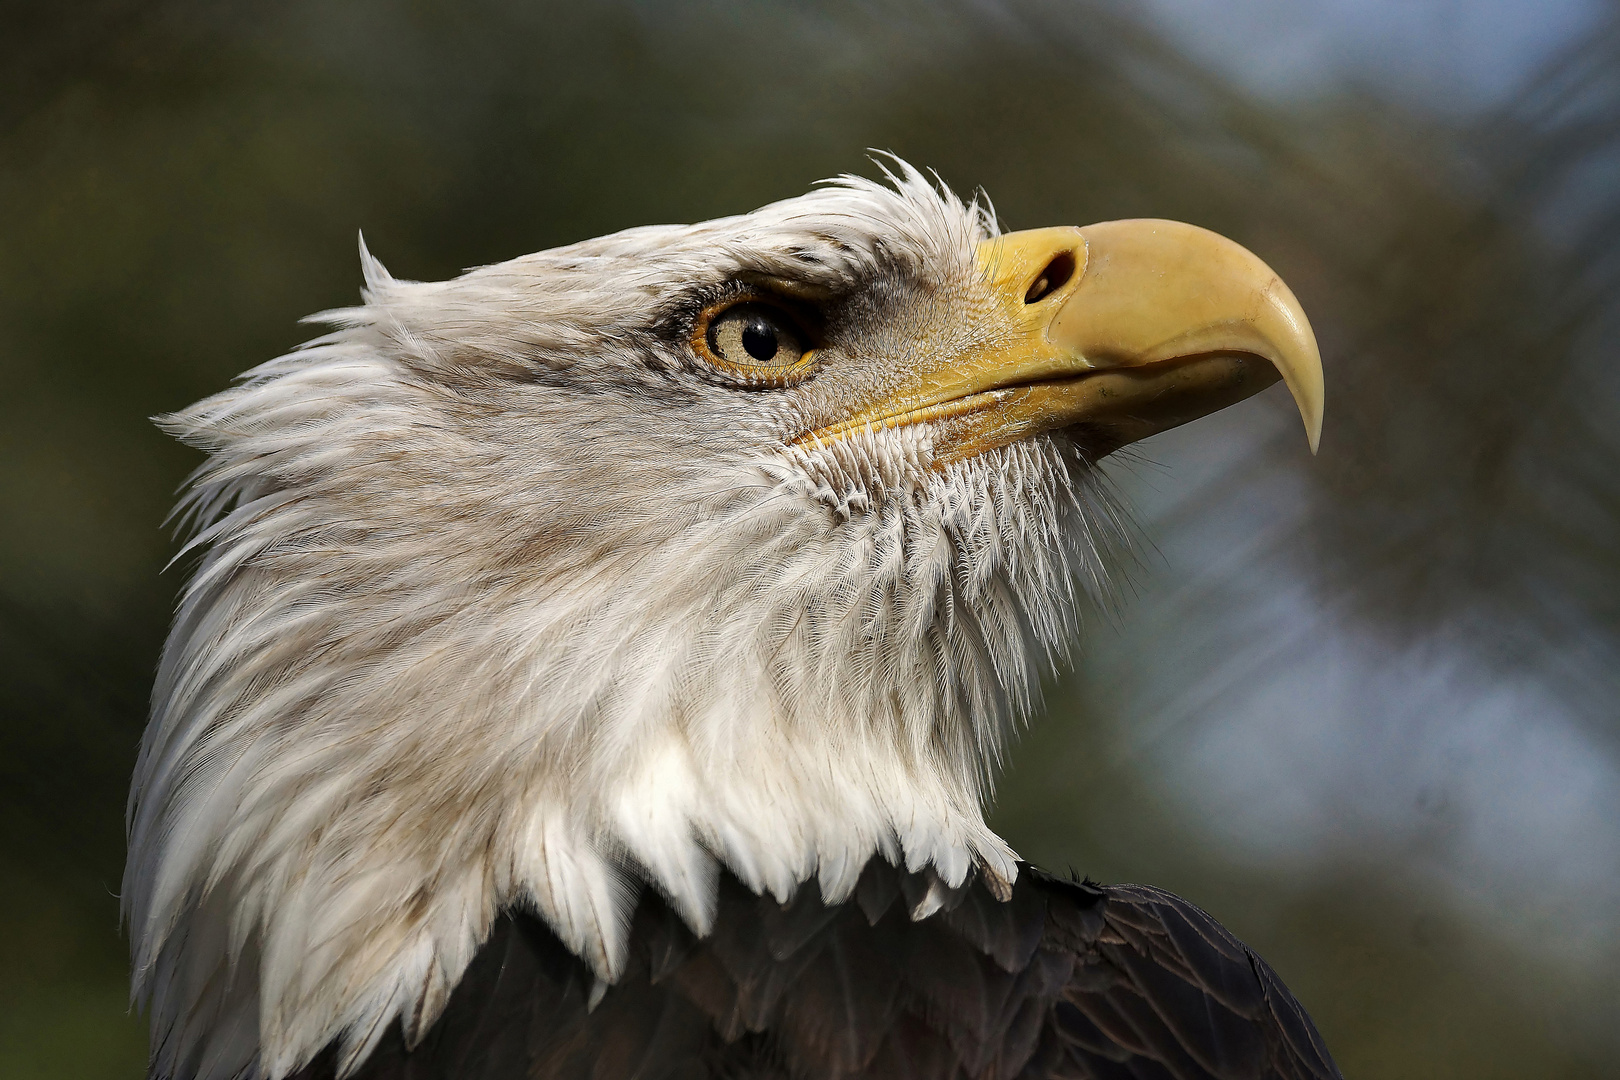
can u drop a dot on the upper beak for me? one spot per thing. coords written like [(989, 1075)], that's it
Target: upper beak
[(1119, 330)]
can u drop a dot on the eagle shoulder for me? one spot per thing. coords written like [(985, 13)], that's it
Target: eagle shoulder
[(1157, 979), (1064, 979)]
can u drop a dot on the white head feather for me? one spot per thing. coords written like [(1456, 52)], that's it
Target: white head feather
[(502, 602)]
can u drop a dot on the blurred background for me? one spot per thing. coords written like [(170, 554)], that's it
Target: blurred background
[(1363, 707)]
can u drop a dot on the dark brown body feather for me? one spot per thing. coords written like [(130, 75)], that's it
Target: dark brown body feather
[(1064, 980)]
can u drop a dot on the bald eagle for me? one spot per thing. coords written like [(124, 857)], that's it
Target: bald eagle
[(597, 665)]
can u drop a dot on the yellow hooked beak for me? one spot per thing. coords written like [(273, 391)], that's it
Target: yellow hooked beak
[(1119, 330)]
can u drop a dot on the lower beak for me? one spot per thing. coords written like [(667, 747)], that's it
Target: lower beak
[(1118, 331)]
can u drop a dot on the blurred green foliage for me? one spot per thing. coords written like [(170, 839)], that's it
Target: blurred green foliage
[(183, 180)]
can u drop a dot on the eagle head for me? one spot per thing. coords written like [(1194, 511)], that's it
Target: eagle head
[(743, 543)]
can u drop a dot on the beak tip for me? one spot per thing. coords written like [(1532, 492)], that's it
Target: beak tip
[(1301, 368), (1311, 413), (1313, 425)]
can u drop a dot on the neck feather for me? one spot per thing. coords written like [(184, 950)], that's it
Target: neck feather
[(369, 738)]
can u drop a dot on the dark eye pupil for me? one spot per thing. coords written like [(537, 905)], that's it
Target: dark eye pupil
[(759, 339)]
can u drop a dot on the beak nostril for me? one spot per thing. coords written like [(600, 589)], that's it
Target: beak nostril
[(1053, 277)]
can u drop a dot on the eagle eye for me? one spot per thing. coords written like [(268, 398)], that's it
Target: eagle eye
[(758, 343)]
